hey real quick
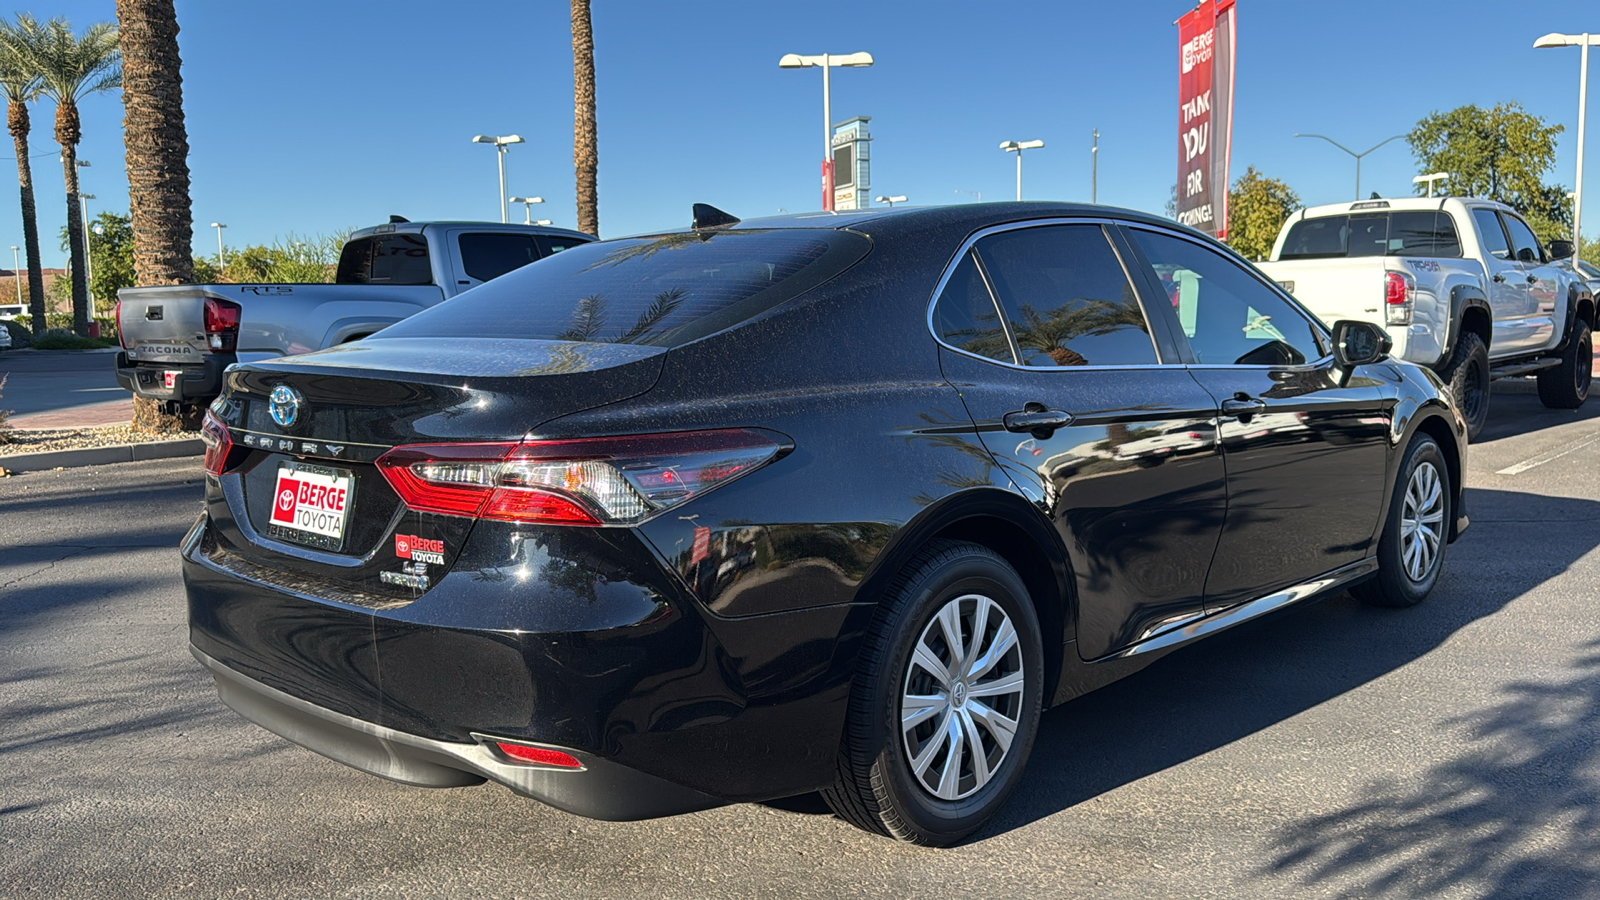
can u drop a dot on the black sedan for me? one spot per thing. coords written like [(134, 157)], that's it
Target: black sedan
[(827, 502)]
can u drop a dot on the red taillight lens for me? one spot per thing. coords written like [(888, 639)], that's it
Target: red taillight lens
[(1394, 288), (218, 443), (222, 325), (1399, 290), (589, 481), (539, 756), (118, 314)]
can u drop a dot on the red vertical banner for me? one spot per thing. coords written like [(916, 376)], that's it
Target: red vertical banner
[(1205, 115)]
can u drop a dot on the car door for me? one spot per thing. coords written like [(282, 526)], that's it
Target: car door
[(1046, 338), (1306, 451), (1540, 281), (1510, 303)]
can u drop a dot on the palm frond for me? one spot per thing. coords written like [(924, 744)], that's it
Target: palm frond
[(588, 317), (664, 304), (69, 66)]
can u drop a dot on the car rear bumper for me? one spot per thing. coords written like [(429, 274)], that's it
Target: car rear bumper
[(191, 384), (601, 789)]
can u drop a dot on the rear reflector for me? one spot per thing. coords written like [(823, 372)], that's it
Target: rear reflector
[(218, 443), (587, 481), (538, 756)]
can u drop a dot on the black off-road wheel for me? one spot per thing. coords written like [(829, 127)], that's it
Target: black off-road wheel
[(1412, 547), (1566, 386), (946, 700), (1467, 374)]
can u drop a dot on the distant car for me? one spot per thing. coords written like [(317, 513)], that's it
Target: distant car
[(5, 338), (827, 502)]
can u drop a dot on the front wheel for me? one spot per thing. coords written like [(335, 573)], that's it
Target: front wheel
[(1467, 374), (1412, 546), (946, 701), (1566, 386)]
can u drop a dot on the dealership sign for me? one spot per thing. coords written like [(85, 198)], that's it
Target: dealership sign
[(1206, 38)]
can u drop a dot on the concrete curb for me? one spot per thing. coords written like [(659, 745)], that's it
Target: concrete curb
[(99, 456)]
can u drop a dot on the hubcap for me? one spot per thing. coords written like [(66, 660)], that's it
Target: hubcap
[(1422, 522), (962, 697)]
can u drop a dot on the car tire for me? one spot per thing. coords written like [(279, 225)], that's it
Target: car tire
[(1412, 548), (1566, 386), (923, 784), (1467, 374)]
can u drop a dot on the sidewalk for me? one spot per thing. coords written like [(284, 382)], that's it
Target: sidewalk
[(91, 415)]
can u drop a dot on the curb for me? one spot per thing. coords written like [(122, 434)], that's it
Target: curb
[(99, 456)]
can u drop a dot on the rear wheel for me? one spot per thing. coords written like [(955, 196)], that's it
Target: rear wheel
[(1566, 386), (946, 701), (1467, 374), (1412, 547)]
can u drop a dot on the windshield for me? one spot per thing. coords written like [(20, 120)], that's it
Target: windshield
[(662, 291), (1410, 233)]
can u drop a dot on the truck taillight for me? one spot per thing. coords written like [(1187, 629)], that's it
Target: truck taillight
[(118, 314), (1399, 296), (585, 481), (222, 325)]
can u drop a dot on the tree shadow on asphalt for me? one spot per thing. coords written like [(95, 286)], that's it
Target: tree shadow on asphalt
[(1260, 674)]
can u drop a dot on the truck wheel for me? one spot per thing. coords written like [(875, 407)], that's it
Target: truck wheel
[(1411, 548), (946, 700), (1566, 386), (1467, 374)]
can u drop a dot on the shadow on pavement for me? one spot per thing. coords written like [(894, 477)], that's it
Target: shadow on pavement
[(1260, 674), (1515, 409)]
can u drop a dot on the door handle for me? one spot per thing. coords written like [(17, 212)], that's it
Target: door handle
[(1036, 419), (1499, 278), (1533, 279), (1243, 406)]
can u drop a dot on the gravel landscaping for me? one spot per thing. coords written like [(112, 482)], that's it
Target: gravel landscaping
[(48, 439)]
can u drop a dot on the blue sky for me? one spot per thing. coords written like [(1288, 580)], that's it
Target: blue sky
[(310, 117)]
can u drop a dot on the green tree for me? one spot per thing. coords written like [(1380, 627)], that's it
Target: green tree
[(70, 68), (1257, 208), (1502, 154), (110, 256)]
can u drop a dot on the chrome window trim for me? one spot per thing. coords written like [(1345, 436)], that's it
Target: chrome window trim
[(980, 234)]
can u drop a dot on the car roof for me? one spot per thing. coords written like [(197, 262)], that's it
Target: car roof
[(417, 227)]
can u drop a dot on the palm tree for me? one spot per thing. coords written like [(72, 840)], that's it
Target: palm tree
[(585, 137), (71, 68), (157, 142), (20, 84)]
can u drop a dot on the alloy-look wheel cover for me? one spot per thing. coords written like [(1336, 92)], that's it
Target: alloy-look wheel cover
[(1422, 522), (961, 697)]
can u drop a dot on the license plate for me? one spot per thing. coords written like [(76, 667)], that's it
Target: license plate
[(311, 505)]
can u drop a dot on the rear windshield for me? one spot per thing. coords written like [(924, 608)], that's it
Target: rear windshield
[(1413, 233), (385, 259), (662, 291)]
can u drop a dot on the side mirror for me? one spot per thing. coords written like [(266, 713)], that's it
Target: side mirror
[(1359, 344), (1560, 249)]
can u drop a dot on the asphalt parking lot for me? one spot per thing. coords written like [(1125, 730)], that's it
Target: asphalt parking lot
[(1332, 751)]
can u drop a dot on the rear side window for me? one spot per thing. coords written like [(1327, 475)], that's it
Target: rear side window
[(966, 318), (1494, 237), (486, 256), (1408, 233), (1523, 241), (662, 291), (1066, 297), (549, 244), (385, 259)]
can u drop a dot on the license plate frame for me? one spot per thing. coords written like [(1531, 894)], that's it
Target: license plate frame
[(320, 477)]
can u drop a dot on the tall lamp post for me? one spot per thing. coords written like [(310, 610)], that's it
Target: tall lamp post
[(825, 62), (976, 194), (1355, 154), (1094, 168), (500, 144), (527, 207), (219, 226), (891, 201), (1430, 179), (1017, 147), (88, 254), (16, 275), (1585, 40)]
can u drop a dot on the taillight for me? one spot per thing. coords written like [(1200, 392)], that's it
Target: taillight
[(537, 756), (118, 314), (1399, 295), (218, 443), (585, 481), (222, 325)]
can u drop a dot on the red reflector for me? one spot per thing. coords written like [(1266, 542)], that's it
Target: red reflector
[(516, 505), (1394, 288), (539, 756), (218, 443)]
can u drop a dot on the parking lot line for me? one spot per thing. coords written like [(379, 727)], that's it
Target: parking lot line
[(1541, 459)]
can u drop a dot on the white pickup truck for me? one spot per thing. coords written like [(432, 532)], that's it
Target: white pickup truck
[(1462, 286), (177, 339)]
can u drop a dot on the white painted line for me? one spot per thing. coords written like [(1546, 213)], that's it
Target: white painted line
[(1553, 455)]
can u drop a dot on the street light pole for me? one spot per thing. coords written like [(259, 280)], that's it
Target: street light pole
[(1355, 154), (826, 61), (1094, 168), (891, 201), (527, 207), (1585, 40), (500, 143), (1430, 179), (88, 254), (219, 226), (16, 274), (1017, 147)]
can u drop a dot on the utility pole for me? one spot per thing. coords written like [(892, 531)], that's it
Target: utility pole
[(1094, 169)]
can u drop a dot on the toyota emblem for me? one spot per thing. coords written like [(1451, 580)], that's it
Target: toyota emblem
[(285, 406)]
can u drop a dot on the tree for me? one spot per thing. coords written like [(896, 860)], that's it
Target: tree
[(19, 81), (585, 137), (71, 68), (1257, 209), (111, 249), (157, 142), (1499, 154)]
